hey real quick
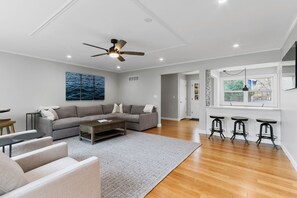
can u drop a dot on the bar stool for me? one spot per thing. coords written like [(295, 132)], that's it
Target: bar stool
[(237, 130), (216, 126), (9, 125), (266, 123)]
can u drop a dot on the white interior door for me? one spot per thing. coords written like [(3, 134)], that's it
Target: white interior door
[(182, 99), (194, 99)]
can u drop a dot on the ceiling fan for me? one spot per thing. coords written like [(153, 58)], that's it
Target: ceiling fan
[(114, 51)]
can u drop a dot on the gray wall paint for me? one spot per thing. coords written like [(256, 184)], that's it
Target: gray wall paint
[(289, 110), (190, 78), (169, 96), (148, 88), (27, 83)]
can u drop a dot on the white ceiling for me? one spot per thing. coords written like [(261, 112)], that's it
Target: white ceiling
[(180, 31)]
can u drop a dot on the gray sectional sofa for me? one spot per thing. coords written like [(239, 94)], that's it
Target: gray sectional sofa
[(70, 118)]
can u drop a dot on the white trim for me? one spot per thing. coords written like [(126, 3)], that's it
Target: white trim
[(159, 125), (53, 17), (292, 160), (173, 119)]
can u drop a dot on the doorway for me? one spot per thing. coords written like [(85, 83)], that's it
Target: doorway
[(182, 99), (195, 99)]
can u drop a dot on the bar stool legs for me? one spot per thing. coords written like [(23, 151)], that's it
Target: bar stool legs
[(216, 126), (266, 126), (238, 124)]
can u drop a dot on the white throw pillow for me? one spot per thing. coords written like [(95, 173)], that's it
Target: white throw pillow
[(54, 113), (117, 108), (47, 114), (148, 108), (11, 174)]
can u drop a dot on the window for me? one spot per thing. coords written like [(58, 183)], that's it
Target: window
[(262, 91)]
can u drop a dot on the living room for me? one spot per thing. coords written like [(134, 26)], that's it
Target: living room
[(41, 42)]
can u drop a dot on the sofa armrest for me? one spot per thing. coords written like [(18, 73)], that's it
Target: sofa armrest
[(79, 180), (45, 126), (148, 120), (31, 145), (40, 157)]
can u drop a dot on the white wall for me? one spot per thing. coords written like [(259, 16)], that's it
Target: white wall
[(27, 83), (289, 111), (169, 96), (148, 88)]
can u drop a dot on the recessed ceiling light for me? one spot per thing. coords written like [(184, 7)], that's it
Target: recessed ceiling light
[(161, 59), (118, 67), (222, 1), (236, 45), (69, 56)]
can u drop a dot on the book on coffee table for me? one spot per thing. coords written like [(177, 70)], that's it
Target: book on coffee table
[(104, 120)]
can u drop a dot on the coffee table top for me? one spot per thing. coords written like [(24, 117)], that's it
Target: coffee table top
[(8, 141), (96, 123), (27, 136)]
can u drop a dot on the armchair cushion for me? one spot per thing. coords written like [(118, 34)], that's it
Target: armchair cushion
[(11, 174), (49, 168)]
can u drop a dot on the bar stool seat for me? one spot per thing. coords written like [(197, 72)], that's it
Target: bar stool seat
[(216, 126), (239, 118), (267, 124), (239, 121)]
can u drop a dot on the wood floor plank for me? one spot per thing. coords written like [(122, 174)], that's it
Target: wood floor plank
[(224, 169)]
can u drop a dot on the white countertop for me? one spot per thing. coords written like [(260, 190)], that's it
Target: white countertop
[(246, 108)]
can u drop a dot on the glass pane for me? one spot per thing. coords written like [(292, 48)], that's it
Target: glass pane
[(233, 85), (233, 96), (260, 84), (260, 96)]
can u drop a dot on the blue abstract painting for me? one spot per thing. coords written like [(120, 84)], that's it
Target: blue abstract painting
[(84, 87), (73, 83), (99, 93), (87, 87)]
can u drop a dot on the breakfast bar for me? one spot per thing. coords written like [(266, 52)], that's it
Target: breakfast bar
[(252, 126)]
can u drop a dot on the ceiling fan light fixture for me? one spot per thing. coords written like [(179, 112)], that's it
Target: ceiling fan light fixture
[(114, 55)]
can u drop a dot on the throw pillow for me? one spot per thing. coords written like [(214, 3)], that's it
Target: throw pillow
[(47, 114), (117, 108), (148, 108), (11, 174), (56, 117)]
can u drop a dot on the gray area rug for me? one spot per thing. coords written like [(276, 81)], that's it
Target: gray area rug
[(132, 165)]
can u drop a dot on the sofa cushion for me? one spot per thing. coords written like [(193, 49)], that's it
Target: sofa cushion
[(107, 108), (137, 109), (97, 117), (49, 168), (90, 110), (66, 112), (66, 123), (128, 117), (127, 108), (11, 174)]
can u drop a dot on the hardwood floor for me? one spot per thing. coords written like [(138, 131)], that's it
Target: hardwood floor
[(222, 169)]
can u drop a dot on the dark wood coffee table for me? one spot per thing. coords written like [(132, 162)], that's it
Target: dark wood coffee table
[(94, 130)]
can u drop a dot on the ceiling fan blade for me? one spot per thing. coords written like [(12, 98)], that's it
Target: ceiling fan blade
[(120, 44), (95, 46), (120, 58), (99, 55), (132, 53)]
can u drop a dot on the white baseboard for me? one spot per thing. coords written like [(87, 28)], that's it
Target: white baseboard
[(173, 119), (292, 160)]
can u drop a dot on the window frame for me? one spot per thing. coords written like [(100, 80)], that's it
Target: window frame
[(274, 91)]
